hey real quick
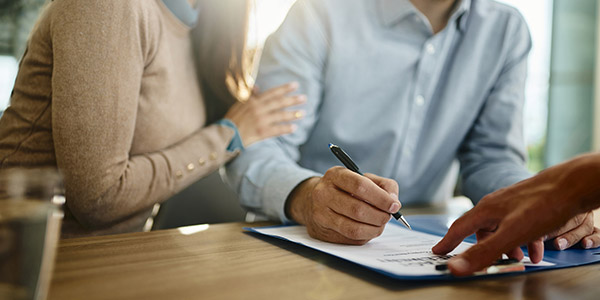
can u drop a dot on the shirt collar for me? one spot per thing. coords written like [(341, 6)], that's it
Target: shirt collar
[(460, 16), (393, 11)]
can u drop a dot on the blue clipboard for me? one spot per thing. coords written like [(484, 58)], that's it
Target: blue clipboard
[(439, 224)]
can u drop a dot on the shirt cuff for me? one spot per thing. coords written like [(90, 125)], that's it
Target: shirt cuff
[(280, 185), (236, 141)]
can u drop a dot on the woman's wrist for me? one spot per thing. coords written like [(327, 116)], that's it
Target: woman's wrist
[(236, 141)]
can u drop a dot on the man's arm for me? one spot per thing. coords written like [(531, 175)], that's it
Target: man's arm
[(268, 171), (339, 206), (493, 154)]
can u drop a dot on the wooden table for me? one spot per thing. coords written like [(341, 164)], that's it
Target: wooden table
[(224, 262)]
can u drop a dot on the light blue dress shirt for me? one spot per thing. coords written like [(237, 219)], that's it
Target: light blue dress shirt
[(403, 102)]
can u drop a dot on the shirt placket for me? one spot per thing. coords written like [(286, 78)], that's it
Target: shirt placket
[(424, 75)]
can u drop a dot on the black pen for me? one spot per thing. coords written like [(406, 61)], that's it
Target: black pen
[(347, 161)]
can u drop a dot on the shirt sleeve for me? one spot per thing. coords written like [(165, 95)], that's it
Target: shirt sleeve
[(99, 52), (268, 171), (493, 154)]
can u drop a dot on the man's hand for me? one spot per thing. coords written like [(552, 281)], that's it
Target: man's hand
[(344, 207), (557, 200), (579, 229)]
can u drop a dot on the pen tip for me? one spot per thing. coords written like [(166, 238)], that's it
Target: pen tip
[(405, 222), (331, 145)]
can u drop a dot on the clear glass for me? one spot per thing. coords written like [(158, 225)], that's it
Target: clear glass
[(30, 219)]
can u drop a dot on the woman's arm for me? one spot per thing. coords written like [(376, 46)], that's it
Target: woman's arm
[(100, 50)]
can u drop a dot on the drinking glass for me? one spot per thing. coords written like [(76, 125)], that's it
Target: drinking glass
[(31, 213)]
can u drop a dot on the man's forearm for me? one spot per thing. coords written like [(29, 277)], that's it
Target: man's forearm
[(580, 179)]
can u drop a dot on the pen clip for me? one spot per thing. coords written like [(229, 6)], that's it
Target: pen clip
[(344, 158)]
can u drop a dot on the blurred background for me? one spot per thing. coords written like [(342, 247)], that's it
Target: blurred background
[(561, 116)]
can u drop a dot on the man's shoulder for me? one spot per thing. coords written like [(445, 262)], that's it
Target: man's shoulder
[(334, 7), (494, 11)]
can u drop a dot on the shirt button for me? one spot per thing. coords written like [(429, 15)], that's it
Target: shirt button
[(201, 162), (420, 100), (179, 174), (430, 49), (213, 156), (191, 167)]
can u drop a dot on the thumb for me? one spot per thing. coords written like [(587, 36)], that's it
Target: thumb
[(479, 256)]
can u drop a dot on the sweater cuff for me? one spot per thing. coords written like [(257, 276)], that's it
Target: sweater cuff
[(236, 141)]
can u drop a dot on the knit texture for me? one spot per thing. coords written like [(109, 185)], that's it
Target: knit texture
[(107, 92)]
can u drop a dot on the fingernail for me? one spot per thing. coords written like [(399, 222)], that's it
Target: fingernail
[(395, 207), (588, 244), (293, 127), (459, 264), (562, 244), (293, 84), (301, 98)]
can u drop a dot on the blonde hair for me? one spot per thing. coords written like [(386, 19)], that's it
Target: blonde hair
[(221, 56)]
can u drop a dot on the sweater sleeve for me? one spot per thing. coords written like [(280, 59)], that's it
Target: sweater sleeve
[(100, 50)]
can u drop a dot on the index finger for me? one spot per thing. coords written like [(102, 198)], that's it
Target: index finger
[(278, 91), (466, 225), (366, 190)]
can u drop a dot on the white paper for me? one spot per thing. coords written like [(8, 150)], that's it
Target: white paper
[(398, 251)]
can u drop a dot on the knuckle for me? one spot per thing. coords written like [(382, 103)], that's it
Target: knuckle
[(580, 219), (589, 226), (329, 173), (380, 231), (393, 184), (254, 113), (361, 186), (356, 212), (383, 219), (318, 218), (318, 193), (260, 131), (336, 169), (354, 232), (332, 172)]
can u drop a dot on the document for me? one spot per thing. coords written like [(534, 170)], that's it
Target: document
[(399, 252)]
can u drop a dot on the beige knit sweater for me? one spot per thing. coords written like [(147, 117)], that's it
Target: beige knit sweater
[(107, 92)]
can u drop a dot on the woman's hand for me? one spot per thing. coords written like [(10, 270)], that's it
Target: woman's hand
[(264, 115)]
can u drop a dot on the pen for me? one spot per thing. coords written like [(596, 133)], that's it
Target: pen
[(500, 266), (347, 161)]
